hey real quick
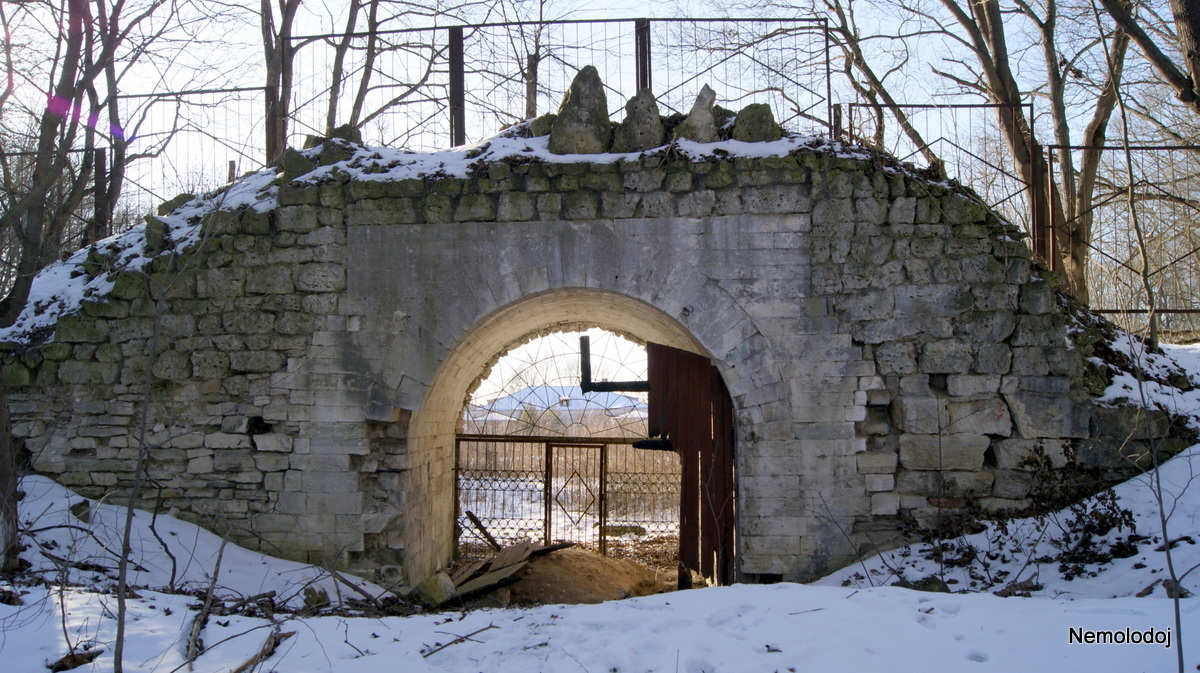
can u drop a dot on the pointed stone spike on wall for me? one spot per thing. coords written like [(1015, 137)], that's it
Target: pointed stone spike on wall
[(700, 125), (642, 128), (756, 124), (582, 126)]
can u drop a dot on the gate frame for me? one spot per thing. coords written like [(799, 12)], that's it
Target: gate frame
[(548, 443)]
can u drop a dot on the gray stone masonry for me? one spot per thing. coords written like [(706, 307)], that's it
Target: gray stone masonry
[(888, 346)]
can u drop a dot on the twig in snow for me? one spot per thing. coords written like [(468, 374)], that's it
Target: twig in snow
[(458, 640), (268, 648), (193, 647)]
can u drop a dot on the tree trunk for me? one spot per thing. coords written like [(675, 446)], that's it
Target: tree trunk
[(8, 490), (278, 54)]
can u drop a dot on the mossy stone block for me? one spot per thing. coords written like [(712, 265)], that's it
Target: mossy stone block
[(219, 223), (81, 329), (475, 208), (409, 187), (293, 164), (128, 285), (105, 309), (56, 351), (169, 206), (16, 375), (254, 223), (438, 209), (449, 186), (367, 189)]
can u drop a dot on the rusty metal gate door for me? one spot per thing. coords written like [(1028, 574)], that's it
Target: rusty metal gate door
[(691, 408)]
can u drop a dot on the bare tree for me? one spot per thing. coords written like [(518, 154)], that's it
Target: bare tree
[(277, 21)]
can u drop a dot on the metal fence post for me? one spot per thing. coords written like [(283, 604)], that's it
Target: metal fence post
[(641, 42), (458, 98)]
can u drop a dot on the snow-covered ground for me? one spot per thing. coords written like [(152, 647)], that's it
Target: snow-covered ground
[(850, 621)]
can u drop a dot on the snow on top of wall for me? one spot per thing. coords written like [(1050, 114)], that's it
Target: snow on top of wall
[(386, 164), (60, 288)]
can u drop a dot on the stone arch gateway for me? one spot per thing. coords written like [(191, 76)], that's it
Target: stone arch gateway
[(310, 333)]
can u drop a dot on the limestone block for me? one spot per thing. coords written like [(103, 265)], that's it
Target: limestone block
[(256, 361), (81, 329), (189, 440), (271, 462), (1038, 330), (1014, 454), (297, 219), (943, 452), (224, 440), (1127, 422), (1011, 484), (677, 182), (884, 504), (880, 482), (220, 283), (200, 465), (1038, 415), (972, 385), (581, 206), (981, 417), (475, 208), (967, 484), (896, 358), (876, 462), (321, 277), (993, 359), (903, 210), (273, 442), (871, 210), (269, 280), (919, 415), (776, 199), (986, 327), (946, 357), (516, 207), (248, 322)]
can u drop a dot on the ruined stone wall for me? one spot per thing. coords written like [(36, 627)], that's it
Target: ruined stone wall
[(889, 350)]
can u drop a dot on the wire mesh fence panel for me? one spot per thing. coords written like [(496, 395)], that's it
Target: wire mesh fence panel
[(1166, 198), (397, 85), (965, 138), (188, 141), (783, 64), (392, 85)]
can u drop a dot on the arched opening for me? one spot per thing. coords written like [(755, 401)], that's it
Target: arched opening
[(429, 502), (539, 458)]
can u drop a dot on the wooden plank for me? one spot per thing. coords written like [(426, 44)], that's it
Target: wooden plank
[(464, 573), (510, 555), (490, 578)]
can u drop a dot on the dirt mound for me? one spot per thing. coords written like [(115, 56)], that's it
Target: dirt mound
[(579, 576)]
